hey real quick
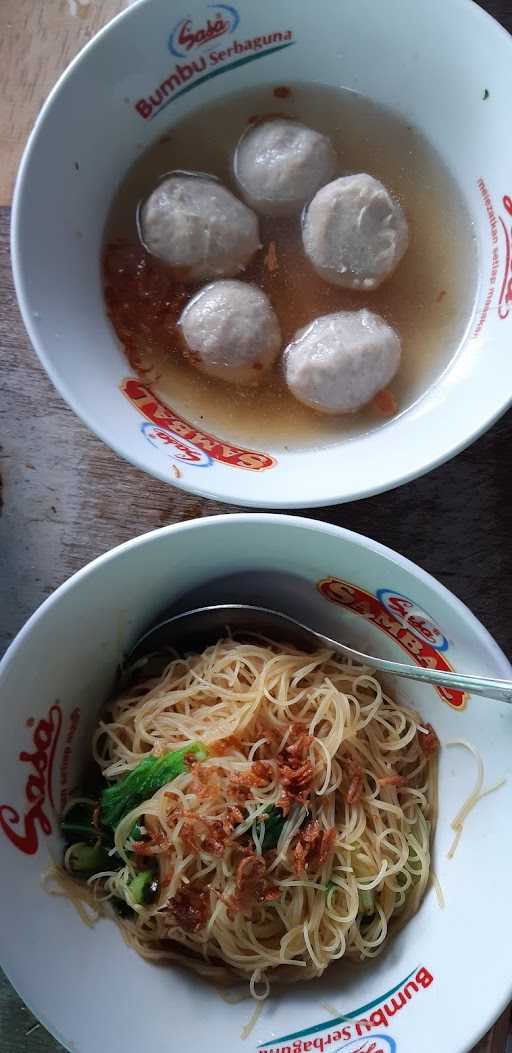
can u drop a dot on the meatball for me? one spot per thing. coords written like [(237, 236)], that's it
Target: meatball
[(279, 164), (231, 332), (340, 361), (354, 233), (196, 225)]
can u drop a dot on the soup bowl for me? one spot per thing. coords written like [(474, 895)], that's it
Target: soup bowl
[(443, 66), (443, 978)]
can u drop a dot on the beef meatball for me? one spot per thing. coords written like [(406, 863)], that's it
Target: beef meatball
[(279, 164), (198, 227), (231, 332), (340, 361), (354, 232)]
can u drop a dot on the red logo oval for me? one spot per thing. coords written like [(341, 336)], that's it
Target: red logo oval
[(38, 787)]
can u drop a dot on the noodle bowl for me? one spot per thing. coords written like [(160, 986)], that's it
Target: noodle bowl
[(70, 651), (297, 829)]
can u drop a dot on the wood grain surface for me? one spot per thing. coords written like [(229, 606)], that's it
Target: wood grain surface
[(66, 498), (38, 38)]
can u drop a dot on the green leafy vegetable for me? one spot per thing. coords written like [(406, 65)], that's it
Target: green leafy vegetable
[(414, 867), (90, 859), (136, 833), (366, 901), (143, 888), (329, 886), (274, 823), (140, 784)]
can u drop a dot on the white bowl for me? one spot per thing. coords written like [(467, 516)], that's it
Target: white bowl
[(443, 65), (444, 978)]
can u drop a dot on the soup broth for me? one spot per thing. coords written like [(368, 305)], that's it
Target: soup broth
[(429, 299)]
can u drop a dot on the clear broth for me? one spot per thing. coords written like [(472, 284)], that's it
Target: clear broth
[(429, 299)]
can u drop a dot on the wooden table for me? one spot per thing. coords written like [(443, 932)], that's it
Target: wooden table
[(67, 498)]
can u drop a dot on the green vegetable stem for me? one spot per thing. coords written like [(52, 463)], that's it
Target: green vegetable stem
[(366, 901), (143, 888), (90, 859)]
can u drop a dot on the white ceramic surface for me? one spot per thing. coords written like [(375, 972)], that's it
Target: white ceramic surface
[(448, 973), (442, 64)]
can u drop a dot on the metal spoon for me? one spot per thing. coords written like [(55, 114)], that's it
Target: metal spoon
[(204, 625)]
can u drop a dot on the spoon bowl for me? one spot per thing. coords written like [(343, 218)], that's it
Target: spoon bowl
[(195, 629)]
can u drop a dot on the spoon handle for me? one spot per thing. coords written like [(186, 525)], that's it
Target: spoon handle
[(474, 685)]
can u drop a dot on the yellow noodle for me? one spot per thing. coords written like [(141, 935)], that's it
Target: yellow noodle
[(438, 889), (253, 1020), (475, 796), (57, 882), (254, 692)]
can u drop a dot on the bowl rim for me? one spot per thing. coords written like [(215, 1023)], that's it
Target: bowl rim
[(329, 494), (275, 519)]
